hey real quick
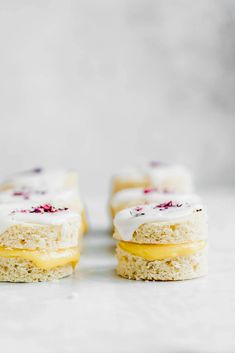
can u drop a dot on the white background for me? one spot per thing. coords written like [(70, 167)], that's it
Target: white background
[(99, 85)]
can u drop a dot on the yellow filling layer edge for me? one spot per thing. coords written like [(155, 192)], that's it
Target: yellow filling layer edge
[(46, 260), (162, 251)]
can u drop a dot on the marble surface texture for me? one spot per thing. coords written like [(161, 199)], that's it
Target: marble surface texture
[(95, 311)]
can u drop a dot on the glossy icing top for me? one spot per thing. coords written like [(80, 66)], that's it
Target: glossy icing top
[(18, 214), (130, 219), (149, 195)]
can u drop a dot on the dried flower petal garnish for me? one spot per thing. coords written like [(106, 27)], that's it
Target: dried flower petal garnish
[(37, 170), (155, 164), (46, 208), (149, 190), (166, 205), (27, 193), (22, 194), (146, 209), (137, 211)]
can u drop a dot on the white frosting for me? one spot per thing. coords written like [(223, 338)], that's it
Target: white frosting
[(140, 196), (44, 179), (161, 175), (30, 196), (129, 219), (9, 218), (173, 177)]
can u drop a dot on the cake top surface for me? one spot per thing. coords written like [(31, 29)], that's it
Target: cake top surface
[(150, 195), (37, 196), (130, 219), (39, 178), (153, 170), (159, 172), (46, 214)]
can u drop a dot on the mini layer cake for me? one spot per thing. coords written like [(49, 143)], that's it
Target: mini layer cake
[(69, 198), (59, 187), (38, 243), (172, 178), (138, 196), (40, 178), (163, 242)]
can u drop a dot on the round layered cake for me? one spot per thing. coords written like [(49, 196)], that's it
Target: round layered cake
[(163, 176), (39, 243), (164, 241), (68, 198)]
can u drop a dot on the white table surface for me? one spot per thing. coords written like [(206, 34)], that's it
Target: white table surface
[(95, 311)]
